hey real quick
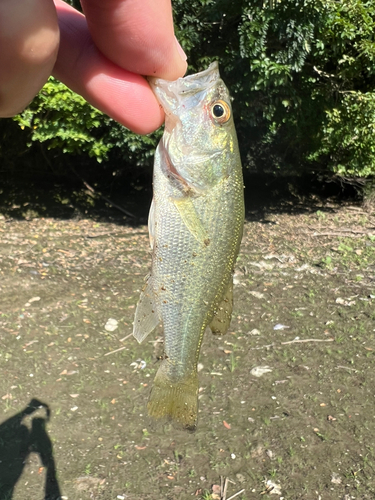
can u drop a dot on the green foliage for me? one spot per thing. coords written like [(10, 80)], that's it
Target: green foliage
[(346, 56), (348, 136), (75, 3), (66, 121), (301, 73)]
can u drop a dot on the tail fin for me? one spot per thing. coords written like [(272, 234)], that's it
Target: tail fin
[(174, 399)]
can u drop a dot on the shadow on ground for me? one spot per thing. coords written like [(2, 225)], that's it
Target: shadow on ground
[(17, 441), (127, 201)]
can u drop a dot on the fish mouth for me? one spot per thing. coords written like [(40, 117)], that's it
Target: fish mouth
[(170, 94)]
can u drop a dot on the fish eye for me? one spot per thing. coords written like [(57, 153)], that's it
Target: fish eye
[(220, 111)]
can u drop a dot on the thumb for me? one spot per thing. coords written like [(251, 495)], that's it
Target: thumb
[(29, 39), (137, 35)]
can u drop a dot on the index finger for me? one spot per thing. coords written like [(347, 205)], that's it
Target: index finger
[(102, 76), (137, 35), (123, 95)]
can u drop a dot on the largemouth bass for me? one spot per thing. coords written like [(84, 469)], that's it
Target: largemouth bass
[(195, 225)]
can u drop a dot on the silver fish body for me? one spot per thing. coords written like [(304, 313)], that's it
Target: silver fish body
[(195, 224)]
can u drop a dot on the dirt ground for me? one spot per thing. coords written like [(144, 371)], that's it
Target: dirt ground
[(286, 398)]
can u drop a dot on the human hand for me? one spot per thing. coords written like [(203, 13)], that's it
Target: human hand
[(101, 56)]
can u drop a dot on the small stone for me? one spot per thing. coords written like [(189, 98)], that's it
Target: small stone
[(279, 326), (258, 371), (335, 478), (34, 299), (111, 325), (275, 489), (254, 331)]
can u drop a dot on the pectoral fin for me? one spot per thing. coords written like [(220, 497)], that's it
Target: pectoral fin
[(221, 321), (191, 219), (146, 315)]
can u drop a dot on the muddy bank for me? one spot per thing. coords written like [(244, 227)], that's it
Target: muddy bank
[(286, 397)]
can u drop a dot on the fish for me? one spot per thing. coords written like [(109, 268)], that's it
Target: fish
[(195, 227)]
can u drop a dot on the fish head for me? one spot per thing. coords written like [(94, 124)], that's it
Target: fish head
[(199, 130)]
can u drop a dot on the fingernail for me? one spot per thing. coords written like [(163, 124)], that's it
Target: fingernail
[(180, 50)]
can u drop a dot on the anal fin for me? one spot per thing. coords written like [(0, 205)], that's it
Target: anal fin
[(223, 315), (146, 315)]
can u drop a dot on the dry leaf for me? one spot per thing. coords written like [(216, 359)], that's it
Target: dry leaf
[(216, 488)]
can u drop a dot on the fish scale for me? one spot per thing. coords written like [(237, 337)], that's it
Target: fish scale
[(196, 223)]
